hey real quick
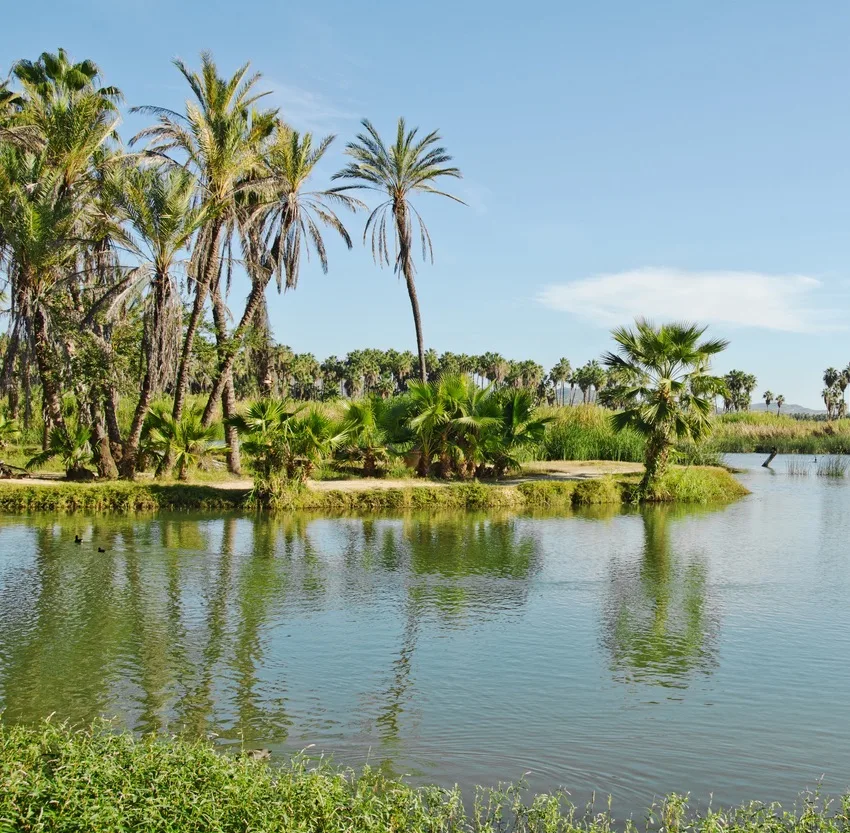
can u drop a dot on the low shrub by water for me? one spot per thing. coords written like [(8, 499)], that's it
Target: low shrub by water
[(55, 780)]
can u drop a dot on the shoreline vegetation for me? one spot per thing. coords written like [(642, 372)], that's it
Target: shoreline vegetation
[(55, 778), (694, 485)]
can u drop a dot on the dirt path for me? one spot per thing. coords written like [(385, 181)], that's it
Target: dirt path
[(554, 470)]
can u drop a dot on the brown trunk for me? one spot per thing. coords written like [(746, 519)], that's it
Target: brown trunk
[(181, 385), (231, 435), (131, 446), (110, 409), (201, 290), (227, 394), (47, 373), (405, 264), (229, 349), (105, 462)]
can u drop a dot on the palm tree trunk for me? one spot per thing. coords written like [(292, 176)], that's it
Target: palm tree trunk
[(105, 462), (202, 286), (405, 262), (228, 355), (134, 436), (110, 410), (46, 372), (227, 394), (201, 290)]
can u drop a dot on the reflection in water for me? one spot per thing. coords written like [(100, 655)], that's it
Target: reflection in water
[(657, 627), (178, 625)]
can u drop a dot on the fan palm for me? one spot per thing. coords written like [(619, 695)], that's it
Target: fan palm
[(72, 447), (185, 442), (516, 430), (364, 433), (667, 388), (410, 165)]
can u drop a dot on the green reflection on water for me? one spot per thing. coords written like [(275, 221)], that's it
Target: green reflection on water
[(177, 626), (658, 627)]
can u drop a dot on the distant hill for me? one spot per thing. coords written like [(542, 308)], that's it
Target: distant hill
[(786, 409)]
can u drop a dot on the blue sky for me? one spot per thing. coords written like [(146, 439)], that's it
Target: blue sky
[(660, 158)]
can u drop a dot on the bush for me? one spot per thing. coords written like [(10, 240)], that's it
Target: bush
[(55, 779)]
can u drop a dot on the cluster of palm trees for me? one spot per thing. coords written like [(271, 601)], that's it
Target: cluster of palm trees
[(277, 370), (769, 398), (738, 391), (450, 427), (95, 237), (835, 384)]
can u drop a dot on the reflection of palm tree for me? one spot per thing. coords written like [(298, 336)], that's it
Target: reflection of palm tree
[(450, 547), (199, 704), (259, 585), (658, 629)]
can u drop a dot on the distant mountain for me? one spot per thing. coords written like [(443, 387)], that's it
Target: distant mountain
[(786, 409)]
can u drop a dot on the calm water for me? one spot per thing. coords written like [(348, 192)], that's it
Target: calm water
[(631, 653)]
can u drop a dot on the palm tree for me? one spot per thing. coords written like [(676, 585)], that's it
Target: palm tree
[(768, 398), (158, 205), (515, 431), (186, 442), (74, 449), (364, 433), (668, 389), (408, 166), (286, 223), (221, 138), (780, 401), (560, 374)]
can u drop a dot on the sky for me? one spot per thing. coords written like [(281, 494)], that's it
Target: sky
[(665, 159)]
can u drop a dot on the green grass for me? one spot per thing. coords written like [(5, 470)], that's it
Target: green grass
[(691, 485), (116, 497), (750, 432), (54, 779), (584, 432)]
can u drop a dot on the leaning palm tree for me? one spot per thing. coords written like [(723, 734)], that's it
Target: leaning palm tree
[(283, 226), (158, 205), (408, 166), (666, 387), (220, 139)]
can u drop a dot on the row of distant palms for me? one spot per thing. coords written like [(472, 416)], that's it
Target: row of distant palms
[(92, 235)]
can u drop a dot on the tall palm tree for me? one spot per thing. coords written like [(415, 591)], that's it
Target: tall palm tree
[(287, 224), (158, 205), (408, 166), (560, 374), (768, 398), (667, 388), (221, 138), (780, 401)]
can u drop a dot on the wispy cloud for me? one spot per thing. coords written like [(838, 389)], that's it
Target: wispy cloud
[(308, 110), (793, 303)]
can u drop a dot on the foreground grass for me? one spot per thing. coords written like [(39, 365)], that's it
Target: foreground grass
[(685, 485), (53, 779)]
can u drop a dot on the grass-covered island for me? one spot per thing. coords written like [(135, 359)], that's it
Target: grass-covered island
[(695, 484), (54, 779)]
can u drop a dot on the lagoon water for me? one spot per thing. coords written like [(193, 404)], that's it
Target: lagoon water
[(630, 653)]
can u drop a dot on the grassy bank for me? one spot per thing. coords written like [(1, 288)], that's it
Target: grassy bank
[(57, 780), (686, 485)]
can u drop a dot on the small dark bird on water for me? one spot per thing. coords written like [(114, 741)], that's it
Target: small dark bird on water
[(101, 549), (77, 539)]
